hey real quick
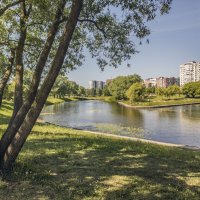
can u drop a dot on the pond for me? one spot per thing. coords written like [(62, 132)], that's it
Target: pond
[(179, 125)]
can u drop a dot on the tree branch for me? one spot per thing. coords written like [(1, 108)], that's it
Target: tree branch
[(96, 24), (3, 10)]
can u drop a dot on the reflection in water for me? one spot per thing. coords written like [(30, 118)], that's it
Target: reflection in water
[(175, 124), (191, 113)]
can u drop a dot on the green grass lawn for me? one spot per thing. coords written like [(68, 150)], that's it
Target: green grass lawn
[(51, 100), (61, 163)]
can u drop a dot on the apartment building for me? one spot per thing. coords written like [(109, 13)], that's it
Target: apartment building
[(162, 82), (96, 84), (150, 82), (189, 72)]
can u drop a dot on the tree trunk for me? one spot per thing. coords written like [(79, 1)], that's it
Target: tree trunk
[(21, 114), (18, 95), (6, 75), (24, 130)]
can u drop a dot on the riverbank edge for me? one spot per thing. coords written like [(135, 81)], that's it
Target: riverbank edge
[(134, 139), (158, 106), (131, 106), (40, 120)]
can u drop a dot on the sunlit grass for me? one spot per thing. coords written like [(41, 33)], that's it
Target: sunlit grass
[(163, 101), (61, 163), (51, 100)]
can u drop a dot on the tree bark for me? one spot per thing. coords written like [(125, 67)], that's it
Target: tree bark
[(24, 130), (18, 95), (6, 75), (21, 114)]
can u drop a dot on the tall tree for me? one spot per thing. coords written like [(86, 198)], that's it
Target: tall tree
[(24, 15), (6, 73), (104, 27)]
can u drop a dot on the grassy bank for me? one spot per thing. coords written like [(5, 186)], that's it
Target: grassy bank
[(51, 100), (154, 101), (160, 101), (60, 163)]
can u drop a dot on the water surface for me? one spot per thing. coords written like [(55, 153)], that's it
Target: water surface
[(180, 125)]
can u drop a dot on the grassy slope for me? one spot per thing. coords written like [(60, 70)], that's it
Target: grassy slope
[(52, 100), (61, 163)]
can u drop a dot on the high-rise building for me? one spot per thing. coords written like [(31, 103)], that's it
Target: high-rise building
[(96, 85), (100, 85), (189, 72), (92, 84)]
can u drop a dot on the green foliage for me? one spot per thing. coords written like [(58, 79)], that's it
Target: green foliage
[(81, 91), (150, 91), (9, 91), (121, 84), (171, 91), (111, 40), (106, 91), (63, 87), (74, 88), (105, 28), (92, 92), (99, 92), (100, 29), (160, 91), (136, 92), (191, 89)]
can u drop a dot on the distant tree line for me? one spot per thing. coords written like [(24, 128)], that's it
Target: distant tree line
[(132, 88), (64, 87), (61, 88)]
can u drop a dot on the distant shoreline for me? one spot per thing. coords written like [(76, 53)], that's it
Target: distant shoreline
[(157, 106)]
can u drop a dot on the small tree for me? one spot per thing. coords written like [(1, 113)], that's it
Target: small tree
[(191, 89), (136, 92), (150, 91), (160, 91), (171, 91)]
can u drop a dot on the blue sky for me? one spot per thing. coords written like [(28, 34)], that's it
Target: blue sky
[(174, 40)]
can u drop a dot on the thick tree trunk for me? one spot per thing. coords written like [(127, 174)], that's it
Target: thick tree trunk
[(21, 114), (6, 75), (24, 130), (18, 95)]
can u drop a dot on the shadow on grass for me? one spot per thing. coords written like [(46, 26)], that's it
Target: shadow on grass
[(4, 119), (77, 167)]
